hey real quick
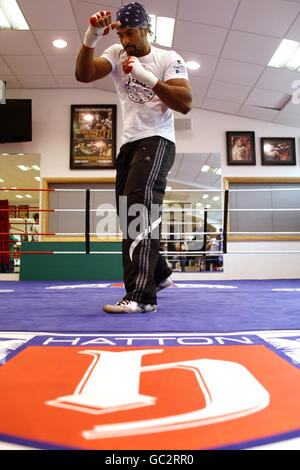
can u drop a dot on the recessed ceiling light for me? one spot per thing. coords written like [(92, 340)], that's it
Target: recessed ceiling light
[(60, 43), (192, 65), (19, 196), (37, 178), (28, 195)]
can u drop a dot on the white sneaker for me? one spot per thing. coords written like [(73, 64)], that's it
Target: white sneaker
[(164, 284), (129, 306)]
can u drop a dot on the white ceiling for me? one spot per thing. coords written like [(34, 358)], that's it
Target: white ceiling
[(232, 39)]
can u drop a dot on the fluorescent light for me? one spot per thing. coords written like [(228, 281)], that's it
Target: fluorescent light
[(35, 167), (23, 167), (205, 168), (192, 65), (4, 23), (216, 198), (19, 196), (284, 54), (162, 29), (294, 62), (37, 178), (60, 43), (28, 195), (13, 14), (1, 180), (205, 196)]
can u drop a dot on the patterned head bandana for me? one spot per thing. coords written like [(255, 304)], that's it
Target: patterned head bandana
[(133, 15)]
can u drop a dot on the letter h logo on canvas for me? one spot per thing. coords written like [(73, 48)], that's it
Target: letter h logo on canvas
[(112, 383)]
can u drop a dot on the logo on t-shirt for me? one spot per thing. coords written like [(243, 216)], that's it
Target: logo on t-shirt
[(179, 67), (137, 91)]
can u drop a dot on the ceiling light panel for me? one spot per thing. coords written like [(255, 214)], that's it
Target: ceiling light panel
[(287, 55), (14, 17)]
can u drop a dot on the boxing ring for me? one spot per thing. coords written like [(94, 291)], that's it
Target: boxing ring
[(216, 367)]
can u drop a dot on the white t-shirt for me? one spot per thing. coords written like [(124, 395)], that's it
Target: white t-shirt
[(144, 114)]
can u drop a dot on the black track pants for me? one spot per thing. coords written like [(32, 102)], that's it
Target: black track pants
[(142, 168)]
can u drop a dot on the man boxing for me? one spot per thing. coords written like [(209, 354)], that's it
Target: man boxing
[(150, 83)]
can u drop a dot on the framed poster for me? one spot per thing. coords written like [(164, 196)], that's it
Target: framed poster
[(93, 136), (278, 151), (241, 148)]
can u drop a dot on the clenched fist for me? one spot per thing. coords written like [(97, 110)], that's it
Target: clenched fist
[(100, 25)]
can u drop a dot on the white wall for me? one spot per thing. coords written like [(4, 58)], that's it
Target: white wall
[(51, 139)]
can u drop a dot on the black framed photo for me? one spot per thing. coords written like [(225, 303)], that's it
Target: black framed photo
[(278, 151), (241, 148), (93, 136)]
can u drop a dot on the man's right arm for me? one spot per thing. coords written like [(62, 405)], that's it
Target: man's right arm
[(88, 67)]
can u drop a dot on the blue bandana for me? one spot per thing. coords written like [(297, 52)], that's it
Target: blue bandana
[(132, 15)]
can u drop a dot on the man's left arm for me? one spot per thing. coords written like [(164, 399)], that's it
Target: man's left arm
[(175, 93)]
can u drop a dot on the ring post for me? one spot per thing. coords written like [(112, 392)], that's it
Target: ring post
[(87, 222), (225, 219)]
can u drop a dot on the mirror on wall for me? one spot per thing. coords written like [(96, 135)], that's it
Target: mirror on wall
[(20, 172), (192, 217)]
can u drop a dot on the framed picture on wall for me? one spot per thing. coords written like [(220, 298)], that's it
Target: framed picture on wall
[(93, 136), (240, 148), (278, 151)]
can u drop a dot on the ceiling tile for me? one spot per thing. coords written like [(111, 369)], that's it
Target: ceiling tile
[(69, 81), (269, 17), (238, 72), (57, 14), (228, 91), (288, 120), (37, 81), (294, 31), (207, 63), (62, 64), (105, 83), (254, 112), (251, 48), (84, 10), (199, 38), (267, 98), (27, 65), (160, 8), (115, 3), (278, 79), (223, 106), (17, 43), (291, 108), (199, 85), (45, 39), (4, 69), (11, 81), (213, 12)]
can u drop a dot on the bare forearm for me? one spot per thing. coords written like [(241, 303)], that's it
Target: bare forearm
[(89, 68), (177, 98)]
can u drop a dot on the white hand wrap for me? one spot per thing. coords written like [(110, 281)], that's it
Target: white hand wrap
[(94, 33), (137, 71)]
